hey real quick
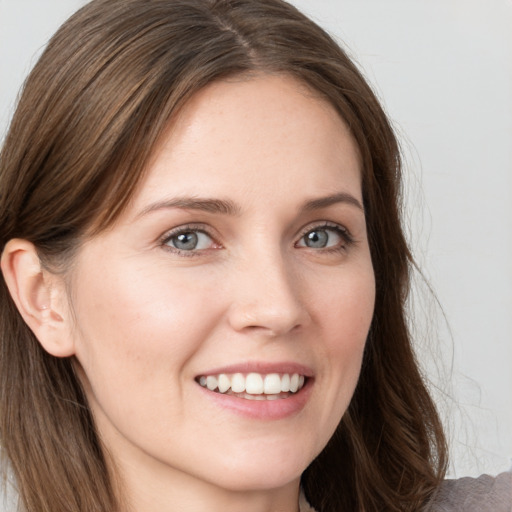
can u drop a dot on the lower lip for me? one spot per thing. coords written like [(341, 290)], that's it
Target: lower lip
[(262, 409)]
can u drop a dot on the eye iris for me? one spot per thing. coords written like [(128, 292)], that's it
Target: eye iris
[(317, 239), (186, 241)]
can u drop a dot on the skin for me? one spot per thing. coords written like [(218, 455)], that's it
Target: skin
[(145, 320)]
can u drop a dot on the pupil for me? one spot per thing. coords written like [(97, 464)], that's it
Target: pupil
[(186, 241), (317, 239)]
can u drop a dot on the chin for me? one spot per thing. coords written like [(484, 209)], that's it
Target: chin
[(263, 471), (264, 479)]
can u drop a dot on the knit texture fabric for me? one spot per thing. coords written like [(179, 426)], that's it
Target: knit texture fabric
[(482, 494)]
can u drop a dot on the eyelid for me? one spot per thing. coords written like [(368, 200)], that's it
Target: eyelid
[(326, 225)]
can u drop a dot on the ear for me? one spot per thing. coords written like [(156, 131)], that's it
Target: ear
[(40, 297)]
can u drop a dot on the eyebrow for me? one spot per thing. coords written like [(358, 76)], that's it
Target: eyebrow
[(324, 202), (227, 207), (224, 206)]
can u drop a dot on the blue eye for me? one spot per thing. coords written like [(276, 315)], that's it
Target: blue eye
[(324, 237), (189, 240)]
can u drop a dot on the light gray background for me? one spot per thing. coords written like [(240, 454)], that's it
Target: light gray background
[(443, 69)]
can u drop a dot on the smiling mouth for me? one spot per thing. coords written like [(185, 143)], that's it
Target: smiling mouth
[(254, 386)]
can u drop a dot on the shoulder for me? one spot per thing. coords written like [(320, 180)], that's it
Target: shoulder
[(482, 494)]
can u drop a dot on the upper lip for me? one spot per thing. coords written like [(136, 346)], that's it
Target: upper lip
[(264, 368)]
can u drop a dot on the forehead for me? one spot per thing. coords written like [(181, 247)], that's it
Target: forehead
[(266, 134)]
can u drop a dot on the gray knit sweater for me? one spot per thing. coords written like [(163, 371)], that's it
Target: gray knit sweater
[(482, 494)]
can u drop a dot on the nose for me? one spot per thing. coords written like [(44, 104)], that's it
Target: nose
[(267, 297)]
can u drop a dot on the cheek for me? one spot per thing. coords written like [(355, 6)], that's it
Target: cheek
[(346, 313), (135, 329)]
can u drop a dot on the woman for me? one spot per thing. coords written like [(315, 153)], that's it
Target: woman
[(205, 272)]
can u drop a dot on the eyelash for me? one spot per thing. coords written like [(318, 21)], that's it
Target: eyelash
[(342, 232)]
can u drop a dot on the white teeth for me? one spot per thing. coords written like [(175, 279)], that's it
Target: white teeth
[(255, 397), (224, 383), (272, 384), (211, 382), (237, 383), (255, 385), (285, 383), (294, 383)]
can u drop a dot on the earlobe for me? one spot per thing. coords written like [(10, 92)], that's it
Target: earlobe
[(39, 297)]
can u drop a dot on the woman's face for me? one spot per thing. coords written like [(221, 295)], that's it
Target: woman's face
[(241, 263)]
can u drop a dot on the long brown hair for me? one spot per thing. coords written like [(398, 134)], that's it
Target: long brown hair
[(90, 114)]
